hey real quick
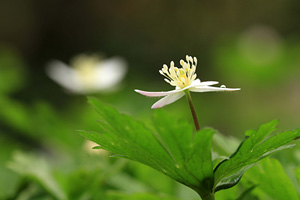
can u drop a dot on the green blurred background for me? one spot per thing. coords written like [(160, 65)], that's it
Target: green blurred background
[(252, 45)]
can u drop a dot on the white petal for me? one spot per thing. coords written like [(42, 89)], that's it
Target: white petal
[(211, 89), (109, 72), (157, 94), (63, 75), (197, 82), (206, 83), (168, 99), (194, 84)]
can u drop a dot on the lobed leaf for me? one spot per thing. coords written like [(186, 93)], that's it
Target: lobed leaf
[(170, 147), (252, 149)]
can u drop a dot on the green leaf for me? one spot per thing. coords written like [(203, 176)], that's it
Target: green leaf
[(37, 169), (224, 145), (170, 147), (155, 180), (237, 193), (297, 171), (272, 181), (246, 195), (192, 163), (141, 196), (9, 180), (252, 149)]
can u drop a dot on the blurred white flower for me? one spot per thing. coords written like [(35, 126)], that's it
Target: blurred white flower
[(88, 73), (89, 145), (184, 79)]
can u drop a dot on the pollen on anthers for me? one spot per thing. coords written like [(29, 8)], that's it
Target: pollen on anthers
[(180, 77)]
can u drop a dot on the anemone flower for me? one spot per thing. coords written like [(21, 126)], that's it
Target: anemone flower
[(185, 80), (88, 73)]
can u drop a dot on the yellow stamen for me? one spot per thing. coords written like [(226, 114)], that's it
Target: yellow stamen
[(180, 77), (85, 66)]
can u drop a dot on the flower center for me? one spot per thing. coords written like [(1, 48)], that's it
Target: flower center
[(180, 77), (85, 66)]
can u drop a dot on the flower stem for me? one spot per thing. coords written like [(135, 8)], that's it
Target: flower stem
[(189, 99)]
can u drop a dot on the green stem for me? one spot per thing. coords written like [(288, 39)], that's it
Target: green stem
[(210, 196), (189, 99)]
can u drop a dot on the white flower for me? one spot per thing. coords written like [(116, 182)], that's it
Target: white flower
[(89, 145), (183, 79), (88, 74)]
